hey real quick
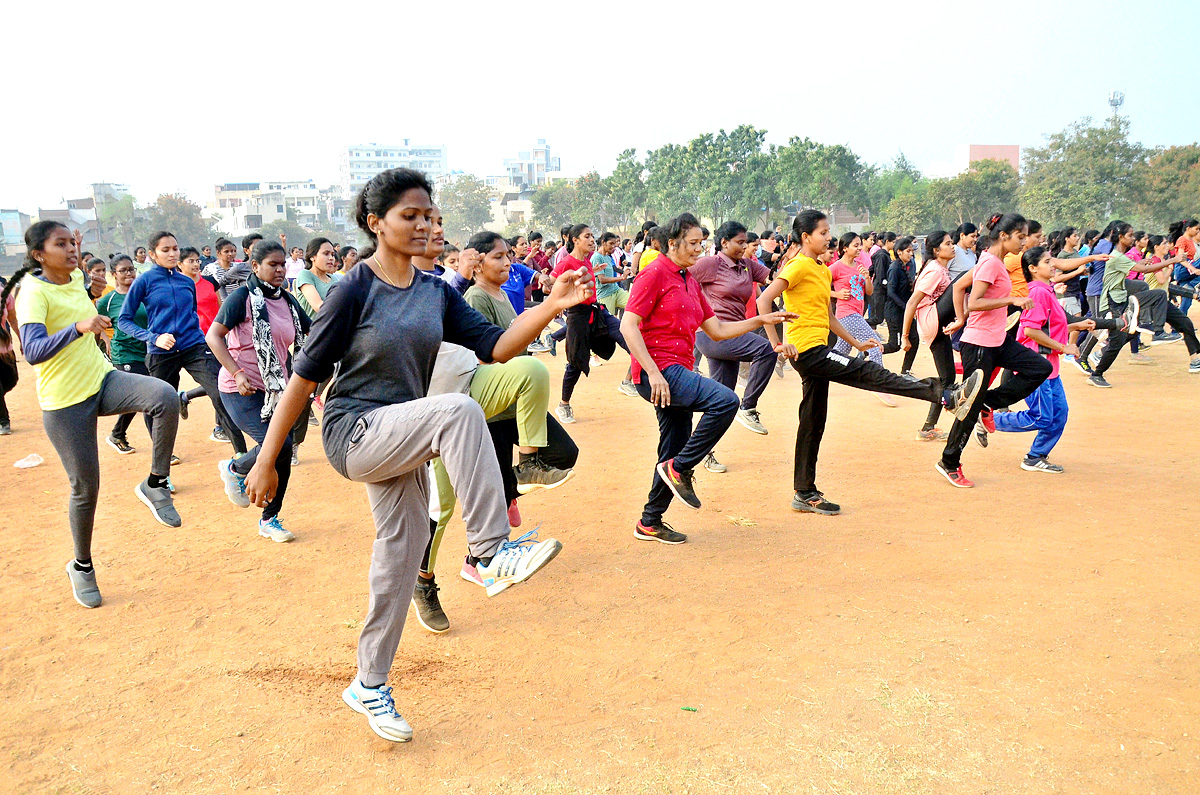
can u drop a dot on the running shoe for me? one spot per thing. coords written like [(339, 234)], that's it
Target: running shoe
[(955, 476), (680, 483), (83, 586), (1080, 364), (469, 572), (1011, 320), (377, 704), (1130, 317), (5, 429), (931, 435), (1098, 380), (1040, 465), (1094, 358), (183, 405), (565, 414), (1163, 337), (780, 366), (273, 529), (749, 418), (815, 502), (319, 402), (1194, 366), (595, 361), (170, 484), (962, 396), (120, 445), (175, 460), (658, 531), (534, 474), (980, 434), (313, 422), (516, 562), (1140, 358), (627, 387), (885, 399), (218, 435), (235, 484), (514, 514), (160, 504), (295, 455), (713, 465), (429, 608), (987, 418), (538, 347), (908, 376), (553, 346)]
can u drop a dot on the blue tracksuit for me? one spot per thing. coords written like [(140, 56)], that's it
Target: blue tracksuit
[(170, 300), (1047, 414)]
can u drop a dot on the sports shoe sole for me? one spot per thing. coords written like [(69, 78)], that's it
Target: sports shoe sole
[(425, 626), (885, 400), (804, 507), (662, 473), (1030, 468), (970, 391), (569, 420), (503, 585), (644, 537), (745, 423), (146, 501), (129, 451), (1153, 343), (221, 472), (266, 534), (359, 708), (1099, 386), (632, 391), (527, 488), (946, 475), (77, 599)]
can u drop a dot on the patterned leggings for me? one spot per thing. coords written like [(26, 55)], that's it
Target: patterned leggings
[(857, 325)]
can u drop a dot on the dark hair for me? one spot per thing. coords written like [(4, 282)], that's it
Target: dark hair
[(383, 193), (1155, 242), (186, 252), (571, 233), (1030, 259), (1176, 230), (660, 235), (1116, 230), (728, 231), (87, 256), (704, 231), (887, 237), (35, 240), (1005, 224), (264, 247), (249, 240), (903, 243), (157, 236), (139, 248), (680, 225), (344, 250), (117, 259), (512, 241), (933, 240), (1032, 227), (965, 228), (312, 249), (222, 243), (1061, 242), (643, 233), (534, 236), (805, 223), (93, 262), (485, 242), (366, 252), (1089, 237), (447, 251), (565, 233), (607, 236), (845, 240), (751, 237)]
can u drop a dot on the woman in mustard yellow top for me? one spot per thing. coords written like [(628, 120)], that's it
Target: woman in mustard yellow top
[(804, 284), (76, 384)]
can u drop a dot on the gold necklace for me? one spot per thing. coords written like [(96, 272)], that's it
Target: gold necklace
[(383, 273)]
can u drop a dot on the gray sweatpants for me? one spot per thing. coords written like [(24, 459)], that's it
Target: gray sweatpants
[(387, 452), (72, 431)]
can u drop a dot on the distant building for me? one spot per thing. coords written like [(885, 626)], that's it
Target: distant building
[(105, 192), (530, 169), (79, 216), (360, 163), (13, 224), (239, 208), (1010, 153)]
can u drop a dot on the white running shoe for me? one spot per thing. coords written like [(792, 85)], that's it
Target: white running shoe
[(235, 484), (273, 529), (377, 704), (516, 561), (565, 414)]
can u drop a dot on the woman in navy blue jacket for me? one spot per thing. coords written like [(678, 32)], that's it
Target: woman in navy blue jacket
[(902, 272)]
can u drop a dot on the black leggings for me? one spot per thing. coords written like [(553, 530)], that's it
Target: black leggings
[(895, 320), (8, 382)]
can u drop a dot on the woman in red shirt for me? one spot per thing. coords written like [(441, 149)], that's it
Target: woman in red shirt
[(665, 308)]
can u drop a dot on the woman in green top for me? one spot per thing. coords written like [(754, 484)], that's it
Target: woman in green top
[(319, 275), (127, 353)]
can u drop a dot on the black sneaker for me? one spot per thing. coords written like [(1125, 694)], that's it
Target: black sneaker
[(1098, 380), (121, 445), (534, 473), (659, 531), (815, 502), (218, 435), (980, 435), (175, 460), (429, 609), (183, 405), (680, 483)]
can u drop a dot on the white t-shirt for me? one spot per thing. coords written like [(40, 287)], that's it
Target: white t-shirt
[(294, 266)]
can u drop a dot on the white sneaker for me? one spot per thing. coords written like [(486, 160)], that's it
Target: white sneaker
[(377, 704), (235, 484), (516, 561), (273, 529), (595, 361), (565, 414)]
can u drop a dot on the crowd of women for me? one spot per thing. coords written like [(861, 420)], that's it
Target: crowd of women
[(416, 360)]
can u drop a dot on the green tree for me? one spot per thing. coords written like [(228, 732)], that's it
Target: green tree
[(554, 206), (628, 189), (1084, 175), (179, 215), (668, 182), (594, 203), (1171, 183), (907, 214), (987, 187), (297, 235), (897, 179), (119, 224), (466, 205), (816, 175)]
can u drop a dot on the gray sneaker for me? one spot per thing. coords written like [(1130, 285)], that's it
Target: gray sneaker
[(534, 474), (750, 419), (565, 414), (160, 504), (83, 586)]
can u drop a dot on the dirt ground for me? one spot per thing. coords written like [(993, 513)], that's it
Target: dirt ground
[(1036, 634)]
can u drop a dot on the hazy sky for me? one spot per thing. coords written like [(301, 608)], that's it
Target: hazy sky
[(170, 97)]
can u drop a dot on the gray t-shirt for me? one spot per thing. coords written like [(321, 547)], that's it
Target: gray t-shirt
[(383, 340), (963, 261), (228, 279)]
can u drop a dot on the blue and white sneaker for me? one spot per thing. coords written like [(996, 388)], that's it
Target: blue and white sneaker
[(516, 561), (274, 530), (235, 484), (377, 704)]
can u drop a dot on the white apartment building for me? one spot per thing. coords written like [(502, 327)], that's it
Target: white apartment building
[(239, 208), (360, 163), (529, 169)]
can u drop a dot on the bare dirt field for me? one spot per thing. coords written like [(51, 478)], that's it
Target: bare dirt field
[(1038, 634)]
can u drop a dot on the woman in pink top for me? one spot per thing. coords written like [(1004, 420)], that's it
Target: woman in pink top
[(251, 337), (851, 285), (986, 345), (931, 283)]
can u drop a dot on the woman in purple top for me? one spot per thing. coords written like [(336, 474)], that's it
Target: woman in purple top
[(728, 281)]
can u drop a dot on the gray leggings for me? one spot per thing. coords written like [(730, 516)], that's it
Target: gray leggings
[(72, 431)]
